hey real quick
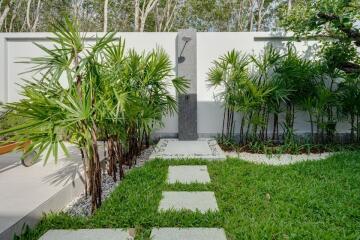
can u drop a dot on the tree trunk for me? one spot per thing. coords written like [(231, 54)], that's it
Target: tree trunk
[(96, 174), (84, 160), (260, 15), (33, 29), (289, 5), (28, 14), (223, 123), (248, 127), (136, 15), (251, 17), (240, 25), (105, 15), (141, 13), (14, 15), (242, 129), (164, 18), (312, 127), (112, 170), (352, 131), (275, 126), (4, 14), (32, 26)]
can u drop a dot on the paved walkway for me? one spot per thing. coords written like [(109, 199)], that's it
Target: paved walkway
[(188, 234), (188, 174), (89, 234), (27, 192), (203, 148), (203, 201), (193, 201)]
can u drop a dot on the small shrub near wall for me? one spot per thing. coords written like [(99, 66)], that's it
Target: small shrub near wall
[(263, 88)]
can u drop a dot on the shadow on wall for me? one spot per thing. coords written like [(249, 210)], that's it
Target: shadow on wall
[(312, 47), (210, 115), (22, 227)]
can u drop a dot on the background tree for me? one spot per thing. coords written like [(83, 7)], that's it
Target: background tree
[(106, 3), (142, 9), (32, 15), (138, 15), (5, 6), (164, 14), (329, 20)]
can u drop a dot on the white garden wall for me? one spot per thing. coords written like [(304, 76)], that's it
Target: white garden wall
[(14, 47), (210, 46)]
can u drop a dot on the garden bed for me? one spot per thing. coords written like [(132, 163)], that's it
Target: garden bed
[(294, 148), (81, 206)]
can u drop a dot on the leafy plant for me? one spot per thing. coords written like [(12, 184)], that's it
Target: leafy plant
[(281, 84), (107, 94)]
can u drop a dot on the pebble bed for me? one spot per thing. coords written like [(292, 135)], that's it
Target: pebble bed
[(277, 159), (81, 206)]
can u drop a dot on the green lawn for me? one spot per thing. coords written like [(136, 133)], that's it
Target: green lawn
[(310, 200)]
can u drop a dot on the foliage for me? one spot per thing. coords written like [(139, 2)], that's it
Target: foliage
[(335, 23), (209, 15), (81, 94), (262, 88), (299, 201)]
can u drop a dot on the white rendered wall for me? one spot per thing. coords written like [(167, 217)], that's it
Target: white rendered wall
[(210, 46), (14, 47)]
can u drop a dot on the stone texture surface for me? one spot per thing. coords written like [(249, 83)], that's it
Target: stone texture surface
[(188, 174), (188, 234), (204, 148), (187, 117), (186, 62), (87, 234), (193, 201), (186, 67)]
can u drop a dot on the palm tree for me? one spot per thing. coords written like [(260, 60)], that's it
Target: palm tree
[(228, 73), (107, 95)]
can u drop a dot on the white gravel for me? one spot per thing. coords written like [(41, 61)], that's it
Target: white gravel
[(81, 206), (278, 159)]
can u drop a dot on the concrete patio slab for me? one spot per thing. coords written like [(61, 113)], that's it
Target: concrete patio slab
[(87, 234), (28, 192), (193, 201), (203, 148), (188, 174), (188, 234)]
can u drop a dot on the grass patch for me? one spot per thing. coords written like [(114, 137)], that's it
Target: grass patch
[(309, 200)]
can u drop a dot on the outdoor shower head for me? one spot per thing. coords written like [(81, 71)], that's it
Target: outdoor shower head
[(186, 38)]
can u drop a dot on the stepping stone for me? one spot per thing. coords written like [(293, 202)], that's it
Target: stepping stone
[(188, 234), (89, 234), (203, 148), (193, 201), (188, 174)]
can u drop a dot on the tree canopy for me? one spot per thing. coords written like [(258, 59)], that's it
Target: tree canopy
[(336, 23), (143, 15)]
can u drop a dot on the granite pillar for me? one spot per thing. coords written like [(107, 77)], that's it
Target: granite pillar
[(186, 67)]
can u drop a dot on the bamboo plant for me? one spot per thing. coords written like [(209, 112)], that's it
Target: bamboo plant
[(83, 93)]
